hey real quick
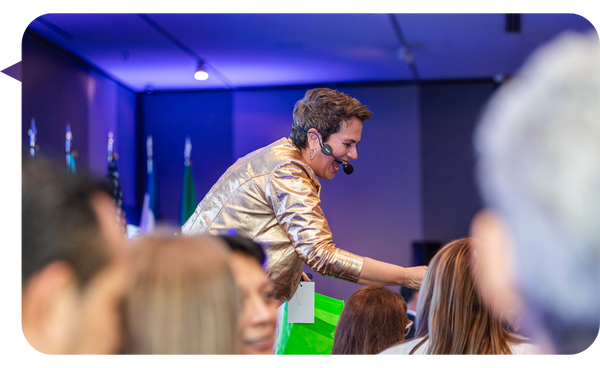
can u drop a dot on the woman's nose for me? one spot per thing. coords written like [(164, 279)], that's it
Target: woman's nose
[(353, 154), (262, 313)]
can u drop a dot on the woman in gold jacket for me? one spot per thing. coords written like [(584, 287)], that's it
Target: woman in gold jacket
[(272, 196)]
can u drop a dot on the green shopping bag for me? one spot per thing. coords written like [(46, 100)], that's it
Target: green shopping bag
[(311, 338)]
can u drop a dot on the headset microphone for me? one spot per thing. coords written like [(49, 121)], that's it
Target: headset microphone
[(326, 149)]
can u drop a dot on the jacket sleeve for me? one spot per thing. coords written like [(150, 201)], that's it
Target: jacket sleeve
[(295, 200)]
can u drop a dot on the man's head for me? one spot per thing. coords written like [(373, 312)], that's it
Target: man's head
[(73, 272), (538, 148)]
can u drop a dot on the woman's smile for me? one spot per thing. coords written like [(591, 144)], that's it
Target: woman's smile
[(336, 166)]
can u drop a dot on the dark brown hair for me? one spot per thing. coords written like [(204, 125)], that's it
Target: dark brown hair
[(324, 109), (373, 319), (59, 221)]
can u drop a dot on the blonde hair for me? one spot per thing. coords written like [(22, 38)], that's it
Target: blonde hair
[(450, 311), (183, 299)]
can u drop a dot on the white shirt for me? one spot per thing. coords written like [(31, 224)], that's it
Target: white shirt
[(406, 347)]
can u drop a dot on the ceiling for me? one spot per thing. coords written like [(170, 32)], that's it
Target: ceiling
[(161, 51)]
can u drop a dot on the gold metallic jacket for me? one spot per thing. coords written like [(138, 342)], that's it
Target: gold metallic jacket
[(272, 196)]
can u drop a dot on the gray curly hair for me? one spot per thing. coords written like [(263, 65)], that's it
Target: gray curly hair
[(538, 165)]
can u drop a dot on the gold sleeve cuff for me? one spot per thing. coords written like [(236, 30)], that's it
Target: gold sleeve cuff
[(350, 266)]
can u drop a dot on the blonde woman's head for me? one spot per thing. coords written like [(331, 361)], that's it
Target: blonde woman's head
[(450, 311), (184, 299)]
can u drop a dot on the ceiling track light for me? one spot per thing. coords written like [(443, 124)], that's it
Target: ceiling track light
[(201, 74)]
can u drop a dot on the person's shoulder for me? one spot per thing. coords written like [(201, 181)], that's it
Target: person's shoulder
[(277, 154), (524, 348), (268, 159), (400, 350), (286, 161)]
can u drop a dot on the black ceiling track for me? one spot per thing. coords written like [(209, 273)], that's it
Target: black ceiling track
[(513, 23), (403, 43), (184, 48)]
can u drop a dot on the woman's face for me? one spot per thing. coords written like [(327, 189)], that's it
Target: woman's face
[(258, 318), (343, 143)]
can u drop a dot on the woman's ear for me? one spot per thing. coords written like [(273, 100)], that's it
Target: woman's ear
[(48, 308), (495, 265), (315, 137)]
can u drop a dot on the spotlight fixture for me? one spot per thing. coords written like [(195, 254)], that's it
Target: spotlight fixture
[(201, 74)]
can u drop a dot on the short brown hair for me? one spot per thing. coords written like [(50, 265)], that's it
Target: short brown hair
[(373, 319), (324, 109)]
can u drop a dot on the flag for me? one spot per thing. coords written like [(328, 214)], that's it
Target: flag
[(113, 187), (150, 207), (32, 135), (69, 154), (71, 163), (112, 182), (189, 200)]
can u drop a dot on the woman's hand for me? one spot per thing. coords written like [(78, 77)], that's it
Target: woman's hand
[(381, 273)]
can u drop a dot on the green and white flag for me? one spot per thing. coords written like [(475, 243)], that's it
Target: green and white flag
[(189, 199)]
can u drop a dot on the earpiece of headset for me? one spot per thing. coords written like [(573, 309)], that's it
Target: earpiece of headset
[(325, 148)]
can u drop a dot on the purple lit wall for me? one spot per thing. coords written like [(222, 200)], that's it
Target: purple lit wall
[(207, 118), (59, 90), (54, 89), (449, 113), (262, 117)]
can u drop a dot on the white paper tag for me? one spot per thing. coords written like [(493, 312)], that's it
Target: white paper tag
[(301, 307)]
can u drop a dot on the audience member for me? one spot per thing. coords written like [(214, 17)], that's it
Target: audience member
[(74, 267), (373, 319), (410, 296), (450, 314), (259, 312), (183, 299), (538, 162)]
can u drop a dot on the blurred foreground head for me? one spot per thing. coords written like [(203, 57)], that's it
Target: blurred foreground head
[(450, 311), (258, 318), (538, 149), (183, 299), (73, 262)]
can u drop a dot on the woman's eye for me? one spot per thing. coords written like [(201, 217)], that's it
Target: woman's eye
[(347, 145)]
